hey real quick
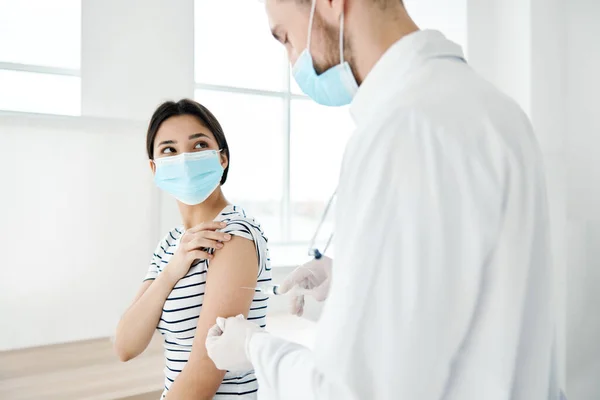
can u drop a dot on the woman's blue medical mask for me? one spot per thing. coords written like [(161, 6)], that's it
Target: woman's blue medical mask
[(334, 87), (189, 177)]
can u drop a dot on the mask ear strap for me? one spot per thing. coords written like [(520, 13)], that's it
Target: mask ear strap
[(342, 38), (310, 23)]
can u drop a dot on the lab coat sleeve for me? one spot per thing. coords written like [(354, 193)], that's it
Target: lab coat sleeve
[(286, 370)]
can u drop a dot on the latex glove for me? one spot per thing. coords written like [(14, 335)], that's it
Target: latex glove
[(227, 343), (312, 278)]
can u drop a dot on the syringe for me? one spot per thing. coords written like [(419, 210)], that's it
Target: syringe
[(269, 289)]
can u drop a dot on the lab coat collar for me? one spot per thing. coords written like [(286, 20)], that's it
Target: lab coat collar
[(396, 62)]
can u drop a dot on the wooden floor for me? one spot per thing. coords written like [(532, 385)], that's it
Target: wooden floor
[(91, 371), (85, 370)]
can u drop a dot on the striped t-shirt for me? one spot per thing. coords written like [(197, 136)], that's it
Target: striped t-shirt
[(182, 308)]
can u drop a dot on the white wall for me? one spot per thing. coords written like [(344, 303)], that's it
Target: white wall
[(583, 212), (519, 46), (447, 16), (499, 42), (547, 83), (135, 54), (545, 54), (77, 213)]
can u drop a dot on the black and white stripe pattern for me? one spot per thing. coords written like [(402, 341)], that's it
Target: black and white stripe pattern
[(182, 308)]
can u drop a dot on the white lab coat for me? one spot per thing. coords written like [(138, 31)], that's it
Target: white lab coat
[(442, 278)]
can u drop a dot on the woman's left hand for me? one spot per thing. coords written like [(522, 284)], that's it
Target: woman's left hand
[(194, 245)]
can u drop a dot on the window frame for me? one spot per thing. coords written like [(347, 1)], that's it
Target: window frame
[(45, 70), (40, 69), (287, 95)]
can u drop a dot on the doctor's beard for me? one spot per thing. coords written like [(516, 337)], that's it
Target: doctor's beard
[(328, 39)]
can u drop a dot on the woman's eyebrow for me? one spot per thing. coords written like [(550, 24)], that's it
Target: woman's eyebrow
[(167, 142), (198, 135)]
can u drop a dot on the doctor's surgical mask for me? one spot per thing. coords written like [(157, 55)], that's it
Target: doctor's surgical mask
[(189, 177), (334, 87)]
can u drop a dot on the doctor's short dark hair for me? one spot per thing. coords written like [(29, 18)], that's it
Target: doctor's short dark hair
[(170, 109)]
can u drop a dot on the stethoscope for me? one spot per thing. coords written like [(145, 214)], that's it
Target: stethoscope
[(272, 289), (312, 250)]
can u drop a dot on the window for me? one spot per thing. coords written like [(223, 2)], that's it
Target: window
[(40, 51), (285, 150)]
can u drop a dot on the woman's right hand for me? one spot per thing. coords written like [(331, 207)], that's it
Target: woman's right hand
[(194, 245)]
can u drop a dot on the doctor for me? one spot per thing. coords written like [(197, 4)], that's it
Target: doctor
[(442, 280)]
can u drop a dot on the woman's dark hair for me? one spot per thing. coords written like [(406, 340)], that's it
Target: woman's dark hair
[(170, 109)]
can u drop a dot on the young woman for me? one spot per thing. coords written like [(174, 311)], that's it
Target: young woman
[(198, 271)]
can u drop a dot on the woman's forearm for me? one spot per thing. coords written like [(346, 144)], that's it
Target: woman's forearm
[(199, 380), (139, 322)]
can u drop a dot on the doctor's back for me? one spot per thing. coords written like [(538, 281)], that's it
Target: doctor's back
[(442, 282)]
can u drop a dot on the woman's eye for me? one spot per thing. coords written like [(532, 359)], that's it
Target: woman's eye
[(168, 150), (200, 145)]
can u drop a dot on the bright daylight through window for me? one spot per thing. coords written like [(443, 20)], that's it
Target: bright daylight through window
[(40, 52), (286, 150)]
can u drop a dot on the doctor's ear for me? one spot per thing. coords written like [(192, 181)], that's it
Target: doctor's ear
[(152, 166)]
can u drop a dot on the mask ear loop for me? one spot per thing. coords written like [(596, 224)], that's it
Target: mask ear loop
[(310, 24), (342, 38)]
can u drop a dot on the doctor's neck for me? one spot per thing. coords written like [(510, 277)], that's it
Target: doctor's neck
[(373, 29), (206, 211)]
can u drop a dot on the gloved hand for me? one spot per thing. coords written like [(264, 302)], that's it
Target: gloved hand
[(312, 278), (227, 343)]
